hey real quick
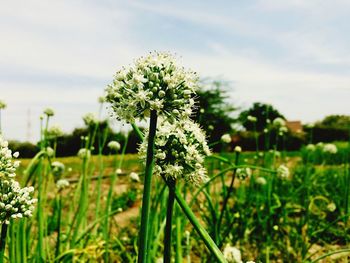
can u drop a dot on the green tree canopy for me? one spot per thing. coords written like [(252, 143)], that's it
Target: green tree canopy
[(336, 122), (262, 112), (214, 112)]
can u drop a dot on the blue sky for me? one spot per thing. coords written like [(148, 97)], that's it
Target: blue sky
[(293, 54)]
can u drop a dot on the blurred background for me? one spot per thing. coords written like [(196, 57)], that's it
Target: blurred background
[(293, 55)]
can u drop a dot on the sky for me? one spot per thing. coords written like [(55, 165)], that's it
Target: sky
[(293, 54)]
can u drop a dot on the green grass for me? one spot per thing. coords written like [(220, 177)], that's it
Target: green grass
[(288, 220)]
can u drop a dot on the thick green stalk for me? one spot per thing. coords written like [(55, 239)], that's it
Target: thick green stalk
[(59, 214), (210, 244), (146, 199), (40, 215), (194, 221), (178, 256), (168, 226), (4, 228)]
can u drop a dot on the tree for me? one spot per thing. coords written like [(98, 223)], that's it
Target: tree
[(262, 112), (214, 112), (336, 122)]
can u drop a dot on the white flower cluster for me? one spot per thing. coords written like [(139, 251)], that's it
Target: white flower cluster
[(50, 152), (226, 138), (49, 112), (243, 173), (114, 145), (57, 168), (180, 149), (15, 202), (62, 183), (283, 171), (134, 177), (310, 147), (7, 165), (54, 131), (232, 254), (279, 122), (84, 153), (90, 119), (261, 181), (155, 82), (330, 148)]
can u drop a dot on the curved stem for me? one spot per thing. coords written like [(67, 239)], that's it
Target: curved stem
[(146, 199), (210, 244), (168, 226)]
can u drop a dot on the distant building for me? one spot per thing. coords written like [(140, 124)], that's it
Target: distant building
[(294, 126)]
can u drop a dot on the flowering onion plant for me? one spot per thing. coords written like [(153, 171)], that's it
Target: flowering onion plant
[(155, 86), (180, 149), (15, 202), (154, 82)]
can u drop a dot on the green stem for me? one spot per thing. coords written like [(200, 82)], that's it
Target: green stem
[(227, 197), (40, 214), (59, 214), (168, 226), (188, 212), (4, 228), (210, 244), (178, 257), (137, 131), (146, 199)]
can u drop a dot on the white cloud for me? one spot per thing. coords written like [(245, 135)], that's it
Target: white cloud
[(73, 40)]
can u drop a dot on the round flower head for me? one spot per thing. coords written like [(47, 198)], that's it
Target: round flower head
[(279, 122), (261, 181), (320, 145), (62, 183), (50, 152), (15, 202), (232, 254), (282, 130), (7, 165), (310, 147), (226, 138), (49, 112), (57, 168), (331, 207), (84, 153), (54, 131), (134, 177), (101, 100), (90, 119), (330, 148), (2, 105), (180, 149), (155, 82), (243, 173), (283, 171), (238, 149), (114, 145)]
